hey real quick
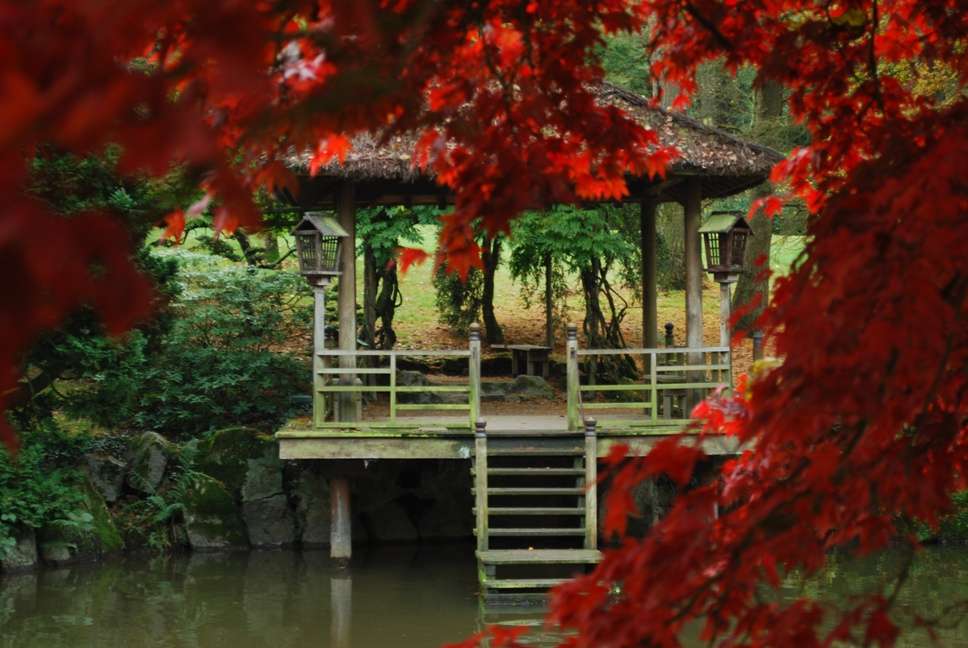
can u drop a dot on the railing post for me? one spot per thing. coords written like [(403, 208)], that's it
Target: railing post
[(670, 341), (591, 484), (474, 373), (393, 385), (572, 378), (480, 482)]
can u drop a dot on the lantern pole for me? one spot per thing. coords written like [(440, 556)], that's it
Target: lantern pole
[(724, 313), (319, 345)]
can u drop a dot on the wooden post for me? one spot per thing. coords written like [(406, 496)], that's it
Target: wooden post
[(347, 299), (649, 282), (571, 376), (757, 345), (724, 314), (474, 373), (692, 213), (340, 538), (319, 345), (591, 484), (480, 482), (670, 341), (549, 306)]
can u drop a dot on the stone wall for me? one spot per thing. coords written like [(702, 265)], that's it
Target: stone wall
[(230, 491)]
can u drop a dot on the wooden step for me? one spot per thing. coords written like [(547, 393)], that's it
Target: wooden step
[(532, 434), (536, 471), (522, 583), (533, 450), (538, 510), (536, 532), (539, 556), (534, 491)]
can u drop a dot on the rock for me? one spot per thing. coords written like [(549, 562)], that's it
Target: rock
[(494, 391), (311, 492), (149, 458), (526, 387), (417, 379), (88, 536), (225, 455), (22, 555), (268, 518), (107, 474), (212, 518)]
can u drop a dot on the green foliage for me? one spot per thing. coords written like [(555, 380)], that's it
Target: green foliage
[(954, 528), (458, 301), (221, 362), (40, 487), (385, 229)]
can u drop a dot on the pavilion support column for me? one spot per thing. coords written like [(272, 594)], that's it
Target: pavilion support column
[(319, 345), (650, 288), (692, 209), (341, 541), (346, 209)]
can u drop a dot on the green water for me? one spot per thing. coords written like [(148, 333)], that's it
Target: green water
[(400, 597)]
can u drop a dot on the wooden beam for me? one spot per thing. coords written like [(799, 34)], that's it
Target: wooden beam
[(650, 323), (692, 214)]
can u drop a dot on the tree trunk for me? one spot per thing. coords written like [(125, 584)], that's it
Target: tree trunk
[(369, 294), (549, 304), (491, 256), (769, 110)]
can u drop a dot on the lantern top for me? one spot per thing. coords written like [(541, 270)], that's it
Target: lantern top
[(325, 225), (720, 222)]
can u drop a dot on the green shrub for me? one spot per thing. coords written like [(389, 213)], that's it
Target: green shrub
[(954, 528), (41, 486), (223, 361), (458, 302)]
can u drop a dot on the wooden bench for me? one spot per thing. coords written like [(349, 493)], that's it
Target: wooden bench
[(525, 358)]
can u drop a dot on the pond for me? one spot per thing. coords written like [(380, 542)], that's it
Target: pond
[(403, 597)]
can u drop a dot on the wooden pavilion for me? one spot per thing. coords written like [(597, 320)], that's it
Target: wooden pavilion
[(527, 468)]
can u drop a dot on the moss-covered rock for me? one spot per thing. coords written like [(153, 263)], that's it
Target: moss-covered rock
[(89, 535), (106, 473), (269, 520), (22, 555), (225, 455), (212, 519), (149, 459), (311, 493)]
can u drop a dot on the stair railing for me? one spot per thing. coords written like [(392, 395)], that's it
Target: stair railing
[(480, 482)]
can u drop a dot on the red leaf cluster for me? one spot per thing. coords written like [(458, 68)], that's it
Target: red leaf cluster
[(864, 419)]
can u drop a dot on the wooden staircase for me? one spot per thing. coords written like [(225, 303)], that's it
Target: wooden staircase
[(536, 522)]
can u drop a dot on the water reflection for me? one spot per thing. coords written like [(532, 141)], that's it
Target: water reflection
[(401, 597)]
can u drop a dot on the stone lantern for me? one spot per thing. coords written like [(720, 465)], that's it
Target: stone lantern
[(319, 242), (724, 235)]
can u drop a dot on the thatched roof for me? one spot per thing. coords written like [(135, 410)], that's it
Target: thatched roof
[(727, 164)]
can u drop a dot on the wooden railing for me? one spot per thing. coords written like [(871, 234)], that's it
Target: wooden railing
[(681, 376), (388, 362)]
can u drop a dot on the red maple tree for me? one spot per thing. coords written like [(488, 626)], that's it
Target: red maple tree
[(862, 424)]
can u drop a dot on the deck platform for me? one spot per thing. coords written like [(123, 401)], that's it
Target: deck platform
[(448, 437)]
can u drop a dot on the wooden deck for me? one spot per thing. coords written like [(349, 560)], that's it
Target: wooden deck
[(448, 437)]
